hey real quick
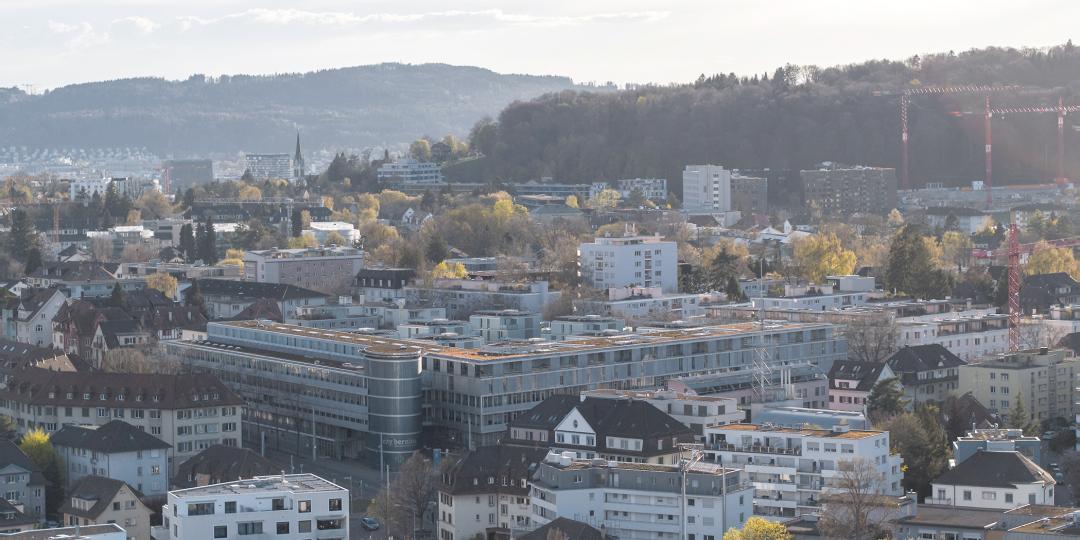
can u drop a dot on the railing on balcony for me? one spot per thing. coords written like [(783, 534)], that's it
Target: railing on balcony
[(754, 449)]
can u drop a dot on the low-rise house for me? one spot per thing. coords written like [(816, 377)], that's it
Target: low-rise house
[(24, 485), (487, 492), (927, 373), (226, 298), (1040, 292), (31, 316), (991, 479), (691, 410), (116, 450), (850, 382), (14, 520), (998, 440), (219, 464), (566, 528), (15, 356), (96, 500)]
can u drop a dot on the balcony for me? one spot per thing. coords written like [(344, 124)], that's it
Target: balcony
[(753, 449), (767, 468), (773, 486)]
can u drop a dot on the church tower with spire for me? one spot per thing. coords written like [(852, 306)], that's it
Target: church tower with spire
[(298, 162)]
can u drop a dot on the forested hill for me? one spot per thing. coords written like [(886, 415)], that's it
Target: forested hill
[(793, 118), (337, 108)]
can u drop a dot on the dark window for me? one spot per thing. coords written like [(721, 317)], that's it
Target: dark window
[(335, 505), (328, 524), (193, 509), (283, 527), (277, 504), (221, 531), (230, 507)]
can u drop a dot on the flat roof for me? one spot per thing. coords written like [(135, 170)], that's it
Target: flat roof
[(969, 518), (699, 467), (850, 434), (291, 483)]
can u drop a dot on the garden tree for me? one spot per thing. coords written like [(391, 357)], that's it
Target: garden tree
[(187, 242), (733, 291), (571, 201), (334, 238), (957, 417), (886, 400), (136, 360), (922, 442), (636, 198), (250, 193), (33, 260), (208, 247), (368, 205), (133, 217), (607, 199), (410, 256), (872, 338), (117, 298), (1019, 418), (483, 230), (8, 429), (306, 240), (952, 223), (233, 257), (436, 248), (164, 282), (558, 256), (377, 234), (153, 205), (36, 445), (116, 205), (458, 147), (420, 150), (1070, 467), (428, 201), (189, 198), (254, 235), (101, 248), (193, 297), (297, 223), (956, 249), (822, 255), (1046, 259), (757, 528), (402, 507), (855, 508), (912, 268), (22, 236), (392, 204)]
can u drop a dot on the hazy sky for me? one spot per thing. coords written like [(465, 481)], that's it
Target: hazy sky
[(54, 42)]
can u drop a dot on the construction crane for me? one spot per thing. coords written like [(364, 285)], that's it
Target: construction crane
[(988, 114), (905, 102)]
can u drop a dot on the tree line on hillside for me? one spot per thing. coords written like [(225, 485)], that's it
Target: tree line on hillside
[(794, 118)]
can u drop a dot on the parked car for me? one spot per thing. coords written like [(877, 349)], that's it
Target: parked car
[(369, 523)]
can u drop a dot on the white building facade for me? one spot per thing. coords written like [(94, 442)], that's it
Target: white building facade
[(706, 189), (630, 261)]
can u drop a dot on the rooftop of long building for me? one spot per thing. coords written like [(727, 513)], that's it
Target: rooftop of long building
[(280, 483)]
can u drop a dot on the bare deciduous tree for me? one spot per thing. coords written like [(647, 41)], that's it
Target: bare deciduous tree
[(1038, 333), (137, 360), (872, 339), (854, 506), (415, 486)]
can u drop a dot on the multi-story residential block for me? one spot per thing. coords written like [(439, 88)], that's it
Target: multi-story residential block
[(24, 484), (97, 500), (487, 492), (1044, 379), (352, 395), (495, 325), (327, 270), (749, 195), (133, 188), (435, 328), (630, 261), (343, 315), (410, 171), (185, 173), (382, 284), (850, 383), (928, 373), (970, 334), (584, 325), (997, 440), (226, 298), (797, 417), (813, 297), (837, 191), (462, 297), (116, 450), (994, 479), (189, 412), (706, 189), (269, 166), (280, 506), (966, 220), (476, 392), (654, 189), (642, 501), (83, 189), (792, 468), (691, 410), (623, 430)]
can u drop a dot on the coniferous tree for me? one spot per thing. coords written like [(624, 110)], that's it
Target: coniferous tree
[(193, 297), (297, 223), (187, 242), (22, 237), (117, 298), (886, 400), (200, 242), (33, 260), (210, 242)]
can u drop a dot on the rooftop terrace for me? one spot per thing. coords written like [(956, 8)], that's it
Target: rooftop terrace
[(284, 483)]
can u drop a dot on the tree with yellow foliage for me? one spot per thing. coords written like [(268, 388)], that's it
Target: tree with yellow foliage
[(822, 255), (757, 528), (956, 249), (449, 271), (233, 257), (607, 199), (163, 282), (133, 217), (1046, 259), (571, 201), (249, 192), (306, 240), (895, 219)]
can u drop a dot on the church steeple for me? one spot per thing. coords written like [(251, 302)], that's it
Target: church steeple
[(298, 161)]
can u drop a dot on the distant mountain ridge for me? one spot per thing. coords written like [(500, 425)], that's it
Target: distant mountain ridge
[(334, 108)]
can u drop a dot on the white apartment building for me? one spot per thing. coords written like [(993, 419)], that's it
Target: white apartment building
[(322, 230), (495, 325), (269, 166), (970, 334), (85, 188), (641, 501), (487, 491), (1044, 379), (706, 189), (280, 506), (410, 171), (654, 189), (630, 261), (790, 469)]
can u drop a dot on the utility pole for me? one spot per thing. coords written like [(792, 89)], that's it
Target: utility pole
[(314, 441), (695, 457)]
